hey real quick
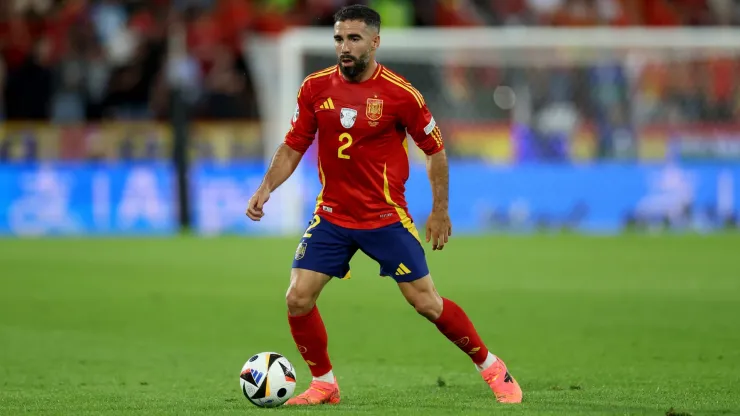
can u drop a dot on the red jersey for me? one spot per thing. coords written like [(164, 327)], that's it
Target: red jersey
[(362, 149)]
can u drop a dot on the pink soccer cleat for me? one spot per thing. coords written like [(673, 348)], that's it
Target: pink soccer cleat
[(319, 392), (504, 387)]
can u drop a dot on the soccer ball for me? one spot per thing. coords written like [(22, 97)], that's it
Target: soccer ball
[(267, 379)]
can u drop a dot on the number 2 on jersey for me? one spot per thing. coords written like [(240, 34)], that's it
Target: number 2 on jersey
[(340, 152)]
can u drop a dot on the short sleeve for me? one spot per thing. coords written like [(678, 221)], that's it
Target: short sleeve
[(421, 126), (303, 124)]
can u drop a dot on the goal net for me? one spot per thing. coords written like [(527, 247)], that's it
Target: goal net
[(507, 96)]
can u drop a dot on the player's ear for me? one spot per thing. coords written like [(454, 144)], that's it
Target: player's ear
[(376, 41)]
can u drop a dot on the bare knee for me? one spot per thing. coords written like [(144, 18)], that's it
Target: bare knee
[(305, 287), (423, 296), (429, 306), (299, 303)]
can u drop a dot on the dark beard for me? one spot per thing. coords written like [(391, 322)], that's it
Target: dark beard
[(355, 70)]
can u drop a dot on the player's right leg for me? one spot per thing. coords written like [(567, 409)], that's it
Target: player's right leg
[(309, 334), (324, 252)]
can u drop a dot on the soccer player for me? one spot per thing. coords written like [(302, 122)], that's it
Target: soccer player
[(362, 112)]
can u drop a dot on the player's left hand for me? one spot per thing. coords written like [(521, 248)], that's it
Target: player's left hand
[(439, 229)]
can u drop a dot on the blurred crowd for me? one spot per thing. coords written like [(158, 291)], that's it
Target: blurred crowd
[(75, 60)]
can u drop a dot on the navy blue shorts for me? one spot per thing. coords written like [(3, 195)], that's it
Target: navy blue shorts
[(327, 248)]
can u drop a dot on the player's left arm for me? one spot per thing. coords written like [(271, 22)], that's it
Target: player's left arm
[(422, 127)]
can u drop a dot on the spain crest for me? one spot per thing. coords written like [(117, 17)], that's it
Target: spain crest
[(300, 251), (374, 109)]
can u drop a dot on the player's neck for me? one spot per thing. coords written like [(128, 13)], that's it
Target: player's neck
[(366, 74)]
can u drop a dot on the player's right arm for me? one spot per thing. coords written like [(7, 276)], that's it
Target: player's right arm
[(283, 164), (288, 155)]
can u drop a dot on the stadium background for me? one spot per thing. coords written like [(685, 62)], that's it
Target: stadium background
[(96, 94), (624, 159)]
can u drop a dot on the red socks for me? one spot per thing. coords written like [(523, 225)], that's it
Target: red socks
[(310, 337), (456, 326)]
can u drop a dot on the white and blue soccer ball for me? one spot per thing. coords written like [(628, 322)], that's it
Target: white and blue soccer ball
[(268, 379)]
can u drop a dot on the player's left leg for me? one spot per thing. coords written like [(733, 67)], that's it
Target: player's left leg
[(400, 254), (452, 321)]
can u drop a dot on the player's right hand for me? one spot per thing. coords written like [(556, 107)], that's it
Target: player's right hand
[(256, 202)]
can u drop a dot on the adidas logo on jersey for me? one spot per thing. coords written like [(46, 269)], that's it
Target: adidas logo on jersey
[(402, 270), (328, 104)]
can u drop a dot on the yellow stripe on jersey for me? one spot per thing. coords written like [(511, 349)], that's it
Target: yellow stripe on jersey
[(378, 71), (437, 135), (405, 219), (405, 87), (318, 74), (406, 145), (320, 197), (395, 77)]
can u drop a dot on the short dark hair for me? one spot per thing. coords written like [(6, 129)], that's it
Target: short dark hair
[(359, 12)]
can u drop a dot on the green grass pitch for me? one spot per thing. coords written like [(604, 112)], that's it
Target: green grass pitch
[(588, 325)]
